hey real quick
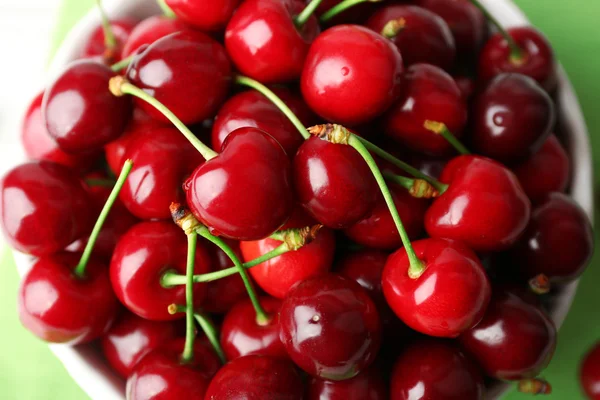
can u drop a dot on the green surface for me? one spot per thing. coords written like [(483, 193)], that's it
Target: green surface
[(28, 371)]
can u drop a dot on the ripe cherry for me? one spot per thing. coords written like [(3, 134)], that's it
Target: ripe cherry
[(466, 85), (589, 374), (96, 45), (368, 385), (149, 31), (208, 16)]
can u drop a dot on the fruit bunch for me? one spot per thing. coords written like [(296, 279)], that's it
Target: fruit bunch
[(341, 199)]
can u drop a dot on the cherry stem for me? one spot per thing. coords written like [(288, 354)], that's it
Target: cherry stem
[(440, 128), (89, 247), (534, 386), (166, 9), (393, 27), (110, 42), (100, 182), (121, 65), (190, 333), (211, 333), (341, 7), (300, 19), (268, 93), (418, 188)]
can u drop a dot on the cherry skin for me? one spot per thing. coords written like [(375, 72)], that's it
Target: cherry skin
[(432, 166), (251, 162), (547, 170), (59, 307), (356, 14), (276, 51), (589, 373), (346, 60), (515, 340), (44, 207), (538, 61), (484, 206), (149, 31), (427, 93), (513, 117), (241, 335), (330, 327), (368, 385), (466, 85), (208, 16), (423, 38), (439, 370), (188, 72), (142, 256), (96, 46)]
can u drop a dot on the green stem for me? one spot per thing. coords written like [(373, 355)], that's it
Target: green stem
[(441, 129), (190, 332), (300, 19), (124, 63), (406, 183), (341, 7), (211, 333), (166, 9), (87, 252), (110, 42)]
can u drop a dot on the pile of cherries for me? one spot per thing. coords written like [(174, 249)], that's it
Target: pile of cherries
[(381, 209)]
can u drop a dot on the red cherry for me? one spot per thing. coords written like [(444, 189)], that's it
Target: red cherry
[(44, 208), (589, 374), (428, 94), (368, 385), (330, 327), (96, 46), (515, 340), (421, 36), (149, 31), (211, 16), (142, 256), (431, 166), (218, 192), (484, 206), (351, 75), (466, 85), (59, 307), (432, 369), (186, 71), (450, 296), (355, 14)]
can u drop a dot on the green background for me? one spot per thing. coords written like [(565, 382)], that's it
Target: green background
[(29, 371)]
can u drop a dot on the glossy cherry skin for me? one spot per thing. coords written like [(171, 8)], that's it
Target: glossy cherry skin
[(81, 114), (44, 207), (149, 31), (547, 170), (241, 335), (351, 75), (558, 242), (59, 307), (512, 118), (589, 373), (368, 385), (218, 191), (515, 340), (131, 338), (538, 62), (427, 93), (95, 45), (256, 377), (188, 72), (485, 206), (265, 44), (424, 38), (330, 327), (208, 16), (435, 370), (142, 256)]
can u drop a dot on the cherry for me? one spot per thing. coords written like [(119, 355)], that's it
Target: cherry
[(131, 338), (330, 327), (433, 369), (211, 16), (589, 374), (484, 206), (546, 171), (355, 14), (515, 340), (218, 191), (558, 241), (466, 85), (149, 31), (187, 71), (513, 118), (351, 75), (421, 36), (427, 94), (241, 335), (142, 255), (368, 385), (59, 307), (96, 45), (44, 207), (430, 166)]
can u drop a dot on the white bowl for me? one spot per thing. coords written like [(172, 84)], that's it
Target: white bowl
[(86, 364)]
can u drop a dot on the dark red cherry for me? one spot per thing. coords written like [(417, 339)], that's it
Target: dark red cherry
[(421, 36), (427, 94), (208, 16), (149, 31), (485, 206), (558, 242), (513, 117), (241, 335), (466, 85), (218, 192), (434, 369), (256, 377), (142, 256), (589, 373), (188, 72), (355, 14), (264, 42), (81, 114), (330, 327), (351, 75), (450, 296), (368, 385), (131, 338), (538, 61), (515, 340), (432, 166), (96, 46), (59, 307), (333, 183), (547, 170), (44, 207)]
